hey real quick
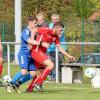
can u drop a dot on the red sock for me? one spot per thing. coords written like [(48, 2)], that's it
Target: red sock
[(31, 86), (0, 70), (43, 76)]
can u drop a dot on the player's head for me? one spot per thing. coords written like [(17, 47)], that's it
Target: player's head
[(58, 28), (32, 22), (55, 18), (40, 19)]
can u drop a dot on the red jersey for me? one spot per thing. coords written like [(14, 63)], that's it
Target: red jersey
[(45, 35)]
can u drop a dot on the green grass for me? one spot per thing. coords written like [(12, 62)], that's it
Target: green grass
[(53, 91)]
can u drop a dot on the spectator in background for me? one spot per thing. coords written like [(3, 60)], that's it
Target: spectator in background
[(41, 20), (41, 23), (55, 18)]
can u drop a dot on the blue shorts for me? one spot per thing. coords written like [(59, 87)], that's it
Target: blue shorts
[(26, 62)]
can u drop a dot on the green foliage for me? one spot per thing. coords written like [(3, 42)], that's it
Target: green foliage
[(48, 7), (70, 11), (83, 8), (7, 11), (96, 3)]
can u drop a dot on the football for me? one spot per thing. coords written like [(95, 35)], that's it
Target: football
[(6, 78), (90, 72)]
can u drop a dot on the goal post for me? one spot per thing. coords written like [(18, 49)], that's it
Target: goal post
[(17, 27)]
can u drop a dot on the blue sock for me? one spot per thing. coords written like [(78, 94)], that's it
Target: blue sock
[(25, 78), (16, 77)]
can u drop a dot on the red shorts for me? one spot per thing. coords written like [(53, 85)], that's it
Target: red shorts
[(0, 54), (39, 66), (39, 57)]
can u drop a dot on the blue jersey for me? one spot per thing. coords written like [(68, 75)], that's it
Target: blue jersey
[(24, 56), (26, 34)]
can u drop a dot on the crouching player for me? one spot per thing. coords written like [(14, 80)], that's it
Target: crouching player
[(38, 53)]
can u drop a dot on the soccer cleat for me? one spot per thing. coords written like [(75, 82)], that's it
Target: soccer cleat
[(42, 87), (39, 87), (16, 89), (11, 87)]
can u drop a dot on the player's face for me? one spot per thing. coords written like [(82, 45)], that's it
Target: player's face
[(40, 21), (34, 23), (58, 30), (54, 20)]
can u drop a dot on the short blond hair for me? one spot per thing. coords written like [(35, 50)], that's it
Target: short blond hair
[(40, 15), (56, 16)]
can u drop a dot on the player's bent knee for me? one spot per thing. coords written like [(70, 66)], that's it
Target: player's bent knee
[(24, 71), (33, 73), (49, 64)]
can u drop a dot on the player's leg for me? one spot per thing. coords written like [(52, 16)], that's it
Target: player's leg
[(42, 57), (23, 80), (44, 74), (23, 62), (31, 86), (30, 75), (12, 84), (40, 68), (33, 74), (46, 71)]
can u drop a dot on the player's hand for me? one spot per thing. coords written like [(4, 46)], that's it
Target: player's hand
[(46, 45), (71, 58), (29, 46)]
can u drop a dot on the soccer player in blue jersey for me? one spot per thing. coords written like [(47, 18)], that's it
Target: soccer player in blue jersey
[(25, 61), (40, 23)]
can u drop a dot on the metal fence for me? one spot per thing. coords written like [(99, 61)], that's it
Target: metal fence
[(8, 44)]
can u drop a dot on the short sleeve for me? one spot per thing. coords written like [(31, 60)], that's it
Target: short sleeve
[(26, 35)]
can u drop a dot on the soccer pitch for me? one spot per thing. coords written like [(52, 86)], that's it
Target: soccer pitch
[(52, 91), (55, 92)]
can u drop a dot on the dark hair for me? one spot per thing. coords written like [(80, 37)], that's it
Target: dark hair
[(31, 18), (59, 24)]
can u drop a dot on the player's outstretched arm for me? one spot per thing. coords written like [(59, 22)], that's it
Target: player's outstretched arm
[(65, 53)]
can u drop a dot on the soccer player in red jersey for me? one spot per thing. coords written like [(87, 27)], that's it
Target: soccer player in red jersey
[(38, 53), (1, 59)]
